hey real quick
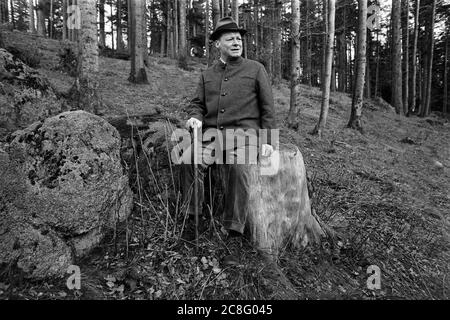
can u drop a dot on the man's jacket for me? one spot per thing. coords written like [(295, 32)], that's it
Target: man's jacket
[(234, 95)]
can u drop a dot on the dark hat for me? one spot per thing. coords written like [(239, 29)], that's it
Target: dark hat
[(226, 24)]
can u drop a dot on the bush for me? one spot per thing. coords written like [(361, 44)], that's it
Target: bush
[(183, 63), (31, 57), (68, 61)]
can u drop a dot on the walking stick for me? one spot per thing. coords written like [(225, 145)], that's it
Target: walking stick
[(196, 186)]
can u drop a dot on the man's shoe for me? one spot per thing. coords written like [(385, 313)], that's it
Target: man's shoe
[(233, 245)]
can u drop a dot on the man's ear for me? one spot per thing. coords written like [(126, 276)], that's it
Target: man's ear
[(217, 44)]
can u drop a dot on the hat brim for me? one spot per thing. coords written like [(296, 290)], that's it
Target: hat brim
[(216, 34)]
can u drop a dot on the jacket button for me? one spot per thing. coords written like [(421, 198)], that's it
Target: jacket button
[(221, 127), (223, 110), (226, 79), (224, 94)]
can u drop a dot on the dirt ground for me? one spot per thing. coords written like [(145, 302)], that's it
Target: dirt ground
[(386, 193)]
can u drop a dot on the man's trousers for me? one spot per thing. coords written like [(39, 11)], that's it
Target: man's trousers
[(236, 182)]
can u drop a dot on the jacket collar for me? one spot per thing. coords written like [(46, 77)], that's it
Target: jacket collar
[(234, 62)]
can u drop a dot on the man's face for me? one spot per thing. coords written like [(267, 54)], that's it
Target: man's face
[(230, 45)]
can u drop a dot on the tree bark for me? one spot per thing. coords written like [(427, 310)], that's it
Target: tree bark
[(357, 101), (235, 10), (84, 91), (414, 59), (31, 13), (308, 46), (64, 16), (175, 24), (101, 11), (182, 38), (397, 57), (327, 69), (427, 107), (295, 62), (277, 42), (136, 11), (207, 30), (445, 97), (405, 42), (41, 30), (4, 12), (119, 42), (11, 5)]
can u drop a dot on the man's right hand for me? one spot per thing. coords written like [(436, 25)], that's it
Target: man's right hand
[(193, 123)]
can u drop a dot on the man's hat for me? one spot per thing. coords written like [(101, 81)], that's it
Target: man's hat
[(226, 24)]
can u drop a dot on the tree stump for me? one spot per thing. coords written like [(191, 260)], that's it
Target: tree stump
[(279, 205)]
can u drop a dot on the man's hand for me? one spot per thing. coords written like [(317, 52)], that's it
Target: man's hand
[(266, 150), (193, 123)]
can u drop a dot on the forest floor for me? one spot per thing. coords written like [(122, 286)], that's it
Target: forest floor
[(386, 192)]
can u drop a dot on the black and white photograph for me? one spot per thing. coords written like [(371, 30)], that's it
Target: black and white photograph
[(224, 157)]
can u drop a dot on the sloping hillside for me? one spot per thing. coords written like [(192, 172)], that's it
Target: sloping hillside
[(385, 192)]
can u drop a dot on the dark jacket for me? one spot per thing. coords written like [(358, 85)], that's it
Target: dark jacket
[(234, 95)]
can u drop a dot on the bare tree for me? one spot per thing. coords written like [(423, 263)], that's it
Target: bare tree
[(136, 12), (182, 38), (235, 10), (414, 59), (295, 62), (31, 13), (430, 52), (358, 89), (445, 98), (396, 57), (101, 11), (326, 85), (84, 91), (41, 30), (405, 42)]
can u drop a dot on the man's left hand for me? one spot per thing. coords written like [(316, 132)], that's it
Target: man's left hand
[(266, 150)]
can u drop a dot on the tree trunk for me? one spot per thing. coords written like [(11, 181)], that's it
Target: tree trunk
[(308, 46), (414, 59), (427, 108), (226, 8), (11, 5), (295, 62), (327, 69), (182, 38), (101, 11), (41, 30), (31, 13), (397, 57), (119, 42), (64, 17), (324, 40), (215, 11), (357, 101), (4, 13), (235, 10), (84, 91), (367, 84), (377, 71), (277, 42), (445, 98), (136, 11), (207, 30), (405, 42), (175, 24), (256, 26)]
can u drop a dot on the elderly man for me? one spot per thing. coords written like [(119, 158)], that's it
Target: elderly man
[(234, 93)]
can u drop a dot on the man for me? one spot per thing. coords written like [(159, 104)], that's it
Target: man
[(234, 93)]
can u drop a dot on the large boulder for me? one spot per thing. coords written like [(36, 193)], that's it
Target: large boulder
[(63, 187)]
